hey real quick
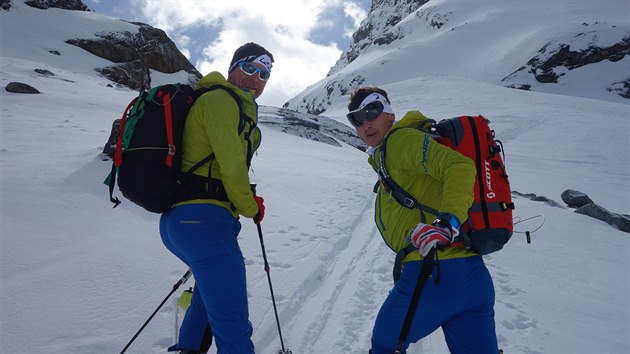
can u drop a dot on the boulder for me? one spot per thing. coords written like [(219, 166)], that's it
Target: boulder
[(575, 199), (620, 222), (133, 53), (19, 87)]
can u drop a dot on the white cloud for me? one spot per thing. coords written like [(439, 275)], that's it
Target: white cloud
[(280, 26), (354, 11)]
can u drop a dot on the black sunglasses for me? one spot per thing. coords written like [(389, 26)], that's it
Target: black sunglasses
[(370, 112), (251, 69)]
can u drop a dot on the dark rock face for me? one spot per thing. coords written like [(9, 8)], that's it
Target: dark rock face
[(586, 206), (542, 68), (149, 48), (60, 4), (132, 74), (5, 5), (44, 72), (622, 88), (620, 222), (374, 31), (314, 127), (538, 198), (575, 199), (19, 87), (584, 47)]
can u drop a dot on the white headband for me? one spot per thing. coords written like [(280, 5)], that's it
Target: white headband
[(373, 97), (263, 59)]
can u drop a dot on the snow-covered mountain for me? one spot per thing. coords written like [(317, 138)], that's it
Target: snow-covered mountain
[(575, 48), (77, 276)]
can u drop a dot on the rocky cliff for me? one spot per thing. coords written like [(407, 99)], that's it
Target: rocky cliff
[(133, 53), (377, 28), (579, 53)]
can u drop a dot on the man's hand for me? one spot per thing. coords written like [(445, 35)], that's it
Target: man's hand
[(439, 235), (261, 209)]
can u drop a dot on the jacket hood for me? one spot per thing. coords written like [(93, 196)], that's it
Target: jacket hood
[(413, 119)]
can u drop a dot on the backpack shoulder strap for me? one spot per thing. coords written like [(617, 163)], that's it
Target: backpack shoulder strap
[(400, 195)]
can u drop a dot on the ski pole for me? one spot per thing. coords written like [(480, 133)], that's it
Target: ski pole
[(175, 287), (423, 275), (273, 298)]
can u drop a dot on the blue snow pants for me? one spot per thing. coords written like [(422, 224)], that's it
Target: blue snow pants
[(204, 236), (462, 304)]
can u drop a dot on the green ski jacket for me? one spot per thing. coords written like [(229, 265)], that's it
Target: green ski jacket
[(436, 175), (212, 127)]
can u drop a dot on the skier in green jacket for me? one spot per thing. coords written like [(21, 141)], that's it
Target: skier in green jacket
[(462, 303), (202, 228)]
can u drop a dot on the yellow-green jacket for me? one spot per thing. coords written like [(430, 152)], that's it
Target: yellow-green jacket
[(212, 127), (436, 175)]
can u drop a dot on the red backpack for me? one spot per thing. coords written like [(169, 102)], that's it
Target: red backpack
[(489, 225)]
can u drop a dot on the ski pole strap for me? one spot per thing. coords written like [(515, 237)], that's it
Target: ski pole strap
[(423, 275), (400, 256)]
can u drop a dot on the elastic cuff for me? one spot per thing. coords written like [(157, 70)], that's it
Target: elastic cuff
[(452, 219)]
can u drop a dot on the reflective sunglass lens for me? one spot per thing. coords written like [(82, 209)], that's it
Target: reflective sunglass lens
[(251, 69), (248, 68), (264, 75), (370, 112), (354, 121)]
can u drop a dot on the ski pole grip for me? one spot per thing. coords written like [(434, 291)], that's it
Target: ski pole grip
[(183, 280)]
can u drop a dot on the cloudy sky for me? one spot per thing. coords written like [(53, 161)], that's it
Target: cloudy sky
[(306, 37)]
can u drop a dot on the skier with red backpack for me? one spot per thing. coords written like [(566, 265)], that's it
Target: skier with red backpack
[(425, 194)]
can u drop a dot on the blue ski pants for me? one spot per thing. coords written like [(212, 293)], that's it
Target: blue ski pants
[(462, 304), (204, 237)]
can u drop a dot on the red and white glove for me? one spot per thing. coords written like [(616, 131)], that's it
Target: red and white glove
[(438, 234), (261, 209)]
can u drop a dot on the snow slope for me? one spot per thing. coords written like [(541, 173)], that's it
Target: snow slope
[(77, 276), (484, 41)]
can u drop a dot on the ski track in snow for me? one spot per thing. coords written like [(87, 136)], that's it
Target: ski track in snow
[(342, 284)]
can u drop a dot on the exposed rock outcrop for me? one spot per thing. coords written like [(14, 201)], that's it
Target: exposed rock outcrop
[(134, 53), (618, 221), (538, 198), (585, 206), (19, 87), (317, 128), (567, 53), (575, 199), (60, 4), (383, 16)]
